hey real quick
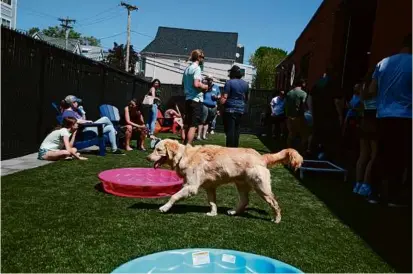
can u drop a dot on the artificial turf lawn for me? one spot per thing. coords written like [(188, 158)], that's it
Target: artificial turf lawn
[(55, 219)]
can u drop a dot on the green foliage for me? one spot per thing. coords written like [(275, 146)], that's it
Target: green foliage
[(59, 32), (117, 57), (265, 59)]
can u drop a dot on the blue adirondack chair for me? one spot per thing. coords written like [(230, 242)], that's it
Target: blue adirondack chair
[(87, 139), (112, 113)]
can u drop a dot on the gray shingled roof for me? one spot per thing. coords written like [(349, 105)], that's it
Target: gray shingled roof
[(58, 42), (178, 41)]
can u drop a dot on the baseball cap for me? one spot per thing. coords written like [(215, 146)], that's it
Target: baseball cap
[(70, 99)]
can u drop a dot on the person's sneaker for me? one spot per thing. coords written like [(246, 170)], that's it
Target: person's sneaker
[(397, 202), (118, 152), (212, 132), (154, 142), (204, 138), (373, 199), (364, 190), (356, 188)]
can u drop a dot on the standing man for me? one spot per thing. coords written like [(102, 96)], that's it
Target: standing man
[(392, 86), (209, 111), (295, 101), (194, 89)]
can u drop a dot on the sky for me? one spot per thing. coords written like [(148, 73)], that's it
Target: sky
[(273, 23)]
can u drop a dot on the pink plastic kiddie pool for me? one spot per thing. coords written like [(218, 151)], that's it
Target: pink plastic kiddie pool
[(140, 182)]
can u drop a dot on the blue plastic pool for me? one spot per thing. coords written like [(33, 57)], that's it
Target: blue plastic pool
[(205, 260)]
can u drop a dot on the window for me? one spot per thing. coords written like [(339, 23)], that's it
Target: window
[(8, 2), (242, 72), (5, 22), (143, 64)]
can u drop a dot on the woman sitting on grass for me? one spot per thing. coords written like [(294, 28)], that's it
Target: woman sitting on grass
[(57, 146), (133, 122)]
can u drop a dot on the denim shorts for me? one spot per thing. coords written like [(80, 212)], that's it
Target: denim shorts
[(41, 154)]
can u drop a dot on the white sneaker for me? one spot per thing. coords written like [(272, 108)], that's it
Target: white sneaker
[(212, 132)]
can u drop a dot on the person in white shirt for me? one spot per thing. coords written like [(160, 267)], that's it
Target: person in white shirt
[(278, 114), (57, 145)]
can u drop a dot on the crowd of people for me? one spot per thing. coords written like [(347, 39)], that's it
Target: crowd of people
[(378, 116), (377, 119)]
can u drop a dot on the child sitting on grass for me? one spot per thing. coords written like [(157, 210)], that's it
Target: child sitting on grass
[(57, 146)]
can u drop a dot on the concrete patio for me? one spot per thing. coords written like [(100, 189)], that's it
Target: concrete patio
[(21, 163)]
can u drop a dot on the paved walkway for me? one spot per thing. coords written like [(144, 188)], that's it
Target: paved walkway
[(21, 163)]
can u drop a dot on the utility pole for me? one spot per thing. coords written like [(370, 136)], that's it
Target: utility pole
[(129, 8), (65, 24)]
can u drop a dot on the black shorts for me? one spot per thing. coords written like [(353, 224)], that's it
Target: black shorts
[(193, 113)]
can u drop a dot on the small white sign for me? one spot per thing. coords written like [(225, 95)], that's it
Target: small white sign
[(199, 258), (228, 258)]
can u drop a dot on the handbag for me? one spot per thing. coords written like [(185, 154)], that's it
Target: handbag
[(148, 100)]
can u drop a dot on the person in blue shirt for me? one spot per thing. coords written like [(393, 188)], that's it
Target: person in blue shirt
[(392, 87), (209, 106), (194, 95), (234, 98)]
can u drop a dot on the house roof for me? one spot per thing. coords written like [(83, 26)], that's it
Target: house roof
[(176, 41), (59, 42)]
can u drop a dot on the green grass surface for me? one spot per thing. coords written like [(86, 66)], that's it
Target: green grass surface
[(54, 219)]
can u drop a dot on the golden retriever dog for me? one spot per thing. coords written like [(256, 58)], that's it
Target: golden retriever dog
[(210, 166)]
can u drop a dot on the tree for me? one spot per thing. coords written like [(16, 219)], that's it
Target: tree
[(33, 31), (265, 59), (117, 57), (59, 32)]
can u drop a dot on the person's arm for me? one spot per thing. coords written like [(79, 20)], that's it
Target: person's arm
[(127, 118), (371, 91), (68, 147), (152, 92), (247, 96), (198, 81), (72, 138), (224, 95), (141, 120)]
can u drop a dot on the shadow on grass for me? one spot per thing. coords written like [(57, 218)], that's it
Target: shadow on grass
[(388, 231), (185, 209)]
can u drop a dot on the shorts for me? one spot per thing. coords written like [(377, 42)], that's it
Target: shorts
[(368, 125), (208, 114), (193, 113), (42, 152), (297, 127)]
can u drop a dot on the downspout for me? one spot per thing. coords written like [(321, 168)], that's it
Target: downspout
[(345, 53)]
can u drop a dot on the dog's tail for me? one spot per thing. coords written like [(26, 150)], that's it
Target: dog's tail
[(286, 156)]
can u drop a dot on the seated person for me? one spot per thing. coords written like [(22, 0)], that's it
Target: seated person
[(70, 106), (133, 122), (57, 145), (175, 114)]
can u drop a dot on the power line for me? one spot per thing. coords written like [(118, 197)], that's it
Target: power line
[(100, 20), (114, 35), (96, 15), (35, 11)]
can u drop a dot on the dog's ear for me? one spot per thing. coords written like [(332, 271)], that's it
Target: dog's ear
[(171, 149)]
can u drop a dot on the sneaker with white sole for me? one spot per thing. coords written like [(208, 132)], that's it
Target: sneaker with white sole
[(356, 188), (212, 132)]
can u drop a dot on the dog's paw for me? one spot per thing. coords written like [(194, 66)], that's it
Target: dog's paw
[(277, 220), (164, 208), (231, 212), (212, 214)]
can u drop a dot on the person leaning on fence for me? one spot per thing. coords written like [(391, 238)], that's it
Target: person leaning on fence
[(133, 122), (194, 92), (70, 106), (234, 98), (209, 108), (58, 145)]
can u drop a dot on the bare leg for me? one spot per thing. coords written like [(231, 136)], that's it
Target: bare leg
[(204, 131), (56, 155), (185, 192), (128, 136), (367, 173), (190, 135), (200, 129), (212, 195), (243, 191), (363, 160)]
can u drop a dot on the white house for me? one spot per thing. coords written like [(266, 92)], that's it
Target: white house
[(166, 57), (9, 13)]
